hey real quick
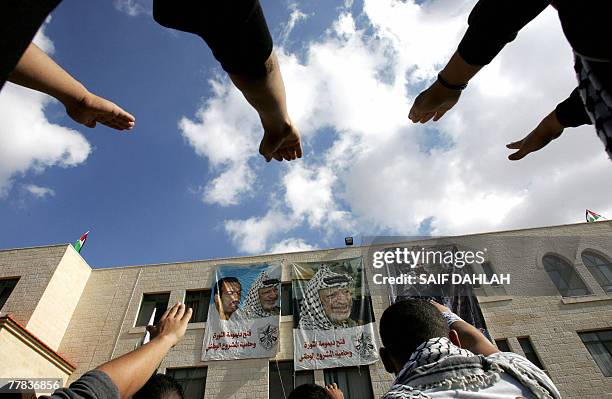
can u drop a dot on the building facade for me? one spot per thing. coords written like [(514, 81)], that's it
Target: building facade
[(60, 317)]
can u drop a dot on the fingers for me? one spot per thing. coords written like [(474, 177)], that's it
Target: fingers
[(165, 315), (180, 311), (425, 118), (331, 386), (515, 145), (517, 155), (187, 316), (173, 310), (438, 115)]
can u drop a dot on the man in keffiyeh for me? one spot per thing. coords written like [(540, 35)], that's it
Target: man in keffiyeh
[(327, 302), (435, 354), (262, 299)]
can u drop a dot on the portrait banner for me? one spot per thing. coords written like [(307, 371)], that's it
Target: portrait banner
[(333, 321), (244, 312)]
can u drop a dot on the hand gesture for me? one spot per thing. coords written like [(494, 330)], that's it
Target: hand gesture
[(333, 391), (172, 324), (548, 130), (92, 109), (433, 103)]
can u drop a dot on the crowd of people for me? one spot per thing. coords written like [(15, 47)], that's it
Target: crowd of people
[(430, 350)]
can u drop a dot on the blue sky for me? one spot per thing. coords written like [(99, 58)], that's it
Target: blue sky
[(165, 192)]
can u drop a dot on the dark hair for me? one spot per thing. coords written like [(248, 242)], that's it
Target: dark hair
[(407, 324), (309, 391), (158, 387), (223, 280)]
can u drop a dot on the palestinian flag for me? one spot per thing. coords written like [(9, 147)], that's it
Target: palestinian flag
[(81, 242), (593, 217)]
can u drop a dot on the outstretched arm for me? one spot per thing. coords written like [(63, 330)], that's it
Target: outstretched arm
[(469, 336), (267, 95), (132, 370), (36, 70), (492, 25)]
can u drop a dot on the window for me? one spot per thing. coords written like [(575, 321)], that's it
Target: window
[(502, 345), (530, 352), (150, 302), (283, 377), (354, 382), (192, 379), (6, 287), (488, 270), (198, 301), (599, 344), (286, 299), (600, 268), (564, 276)]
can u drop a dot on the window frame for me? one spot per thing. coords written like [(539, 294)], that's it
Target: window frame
[(5, 297), (599, 276), (171, 370), (530, 352), (158, 313), (204, 304), (606, 344), (569, 290)]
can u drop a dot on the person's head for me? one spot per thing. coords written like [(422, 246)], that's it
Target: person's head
[(337, 303), (268, 297), (227, 294), (160, 386), (309, 391), (407, 324)]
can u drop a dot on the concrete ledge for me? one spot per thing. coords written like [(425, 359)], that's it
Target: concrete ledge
[(587, 298)]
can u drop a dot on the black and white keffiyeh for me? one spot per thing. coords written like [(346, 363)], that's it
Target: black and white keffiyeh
[(252, 308), (439, 365), (312, 314), (596, 97)]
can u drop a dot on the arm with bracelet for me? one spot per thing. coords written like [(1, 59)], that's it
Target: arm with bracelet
[(469, 336)]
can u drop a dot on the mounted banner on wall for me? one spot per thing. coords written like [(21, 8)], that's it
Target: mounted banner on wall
[(333, 321), (244, 312)]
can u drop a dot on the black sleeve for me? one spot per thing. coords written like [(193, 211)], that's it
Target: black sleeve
[(94, 384), (571, 112), (19, 22), (493, 24), (236, 31)]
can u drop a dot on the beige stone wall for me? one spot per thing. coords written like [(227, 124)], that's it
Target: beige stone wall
[(35, 267), (102, 325), (52, 315), (20, 360)]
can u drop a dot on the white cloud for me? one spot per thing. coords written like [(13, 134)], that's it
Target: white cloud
[(252, 235), (38, 191), (225, 132), (291, 245), (28, 141), (295, 16), (381, 173), (133, 8)]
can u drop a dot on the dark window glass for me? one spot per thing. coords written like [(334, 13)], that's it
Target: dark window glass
[(564, 276), (159, 302), (198, 301), (599, 344), (6, 287), (530, 352), (488, 270), (282, 379), (600, 268), (354, 382), (192, 379), (286, 299), (502, 345)]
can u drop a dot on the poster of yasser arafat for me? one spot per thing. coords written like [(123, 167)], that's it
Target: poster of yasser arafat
[(244, 312), (333, 322)]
